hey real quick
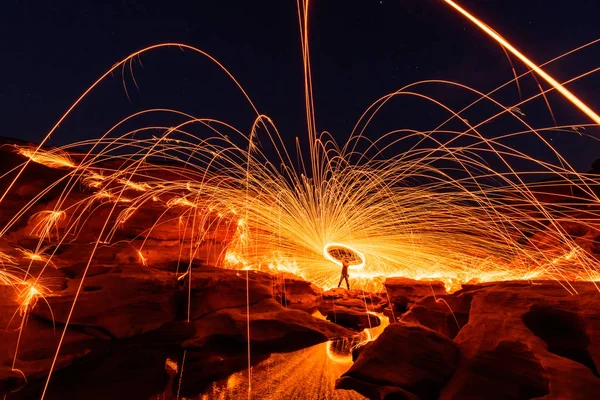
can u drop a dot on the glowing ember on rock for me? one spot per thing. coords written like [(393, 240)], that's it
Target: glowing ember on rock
[(46, 223), (6, 259), (40, 256), (50, 158), (142, 259)]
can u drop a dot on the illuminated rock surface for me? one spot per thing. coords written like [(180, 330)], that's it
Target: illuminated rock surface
[(352, 309), (123, 306), (517, 340), (272, 327), (298, 294), (356, 318), (446, 314), (125, 302), (510, 340), (409, 357), (526, 341), (405, 291)]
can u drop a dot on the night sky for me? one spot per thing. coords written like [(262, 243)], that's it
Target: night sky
[(53, 50)]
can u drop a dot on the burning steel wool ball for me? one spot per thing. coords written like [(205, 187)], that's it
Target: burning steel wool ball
[(337, 252)]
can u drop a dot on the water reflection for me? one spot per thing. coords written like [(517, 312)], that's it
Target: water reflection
[(142, 369), (304, 374)]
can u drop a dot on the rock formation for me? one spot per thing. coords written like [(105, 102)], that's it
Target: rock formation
[(511, 340)]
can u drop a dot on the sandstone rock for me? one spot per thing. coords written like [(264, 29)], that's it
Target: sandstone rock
[(373, 391), (529, 340), (124, 370), (163, 255), (406, 358), (272, 328), (446, 314), (214, 289), (10, 379), (36, 346), (519, 340), (297, 294), (402, 291), (336, 293), (352, 309), (359, 304), (130, 301), (352, 318), (76, 270)]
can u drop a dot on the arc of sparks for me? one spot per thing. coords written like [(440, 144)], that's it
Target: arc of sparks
[(503, 42)]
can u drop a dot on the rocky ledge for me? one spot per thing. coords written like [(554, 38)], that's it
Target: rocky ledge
[(508, 340), (125, 305)]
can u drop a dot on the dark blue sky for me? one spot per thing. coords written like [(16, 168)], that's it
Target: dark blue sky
[(361, 50)]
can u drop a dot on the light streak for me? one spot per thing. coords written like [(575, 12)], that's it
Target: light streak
[(50, 158), (46, 223), (445, 204), (39, 256), (28, 298), (181, 202), (93, 179), (103, 194), (10, 278), (561, 89), (137, 186), (6, 259), (336, 252), (142, 259)]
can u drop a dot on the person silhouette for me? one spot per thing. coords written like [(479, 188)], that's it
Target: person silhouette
[(344, 273)]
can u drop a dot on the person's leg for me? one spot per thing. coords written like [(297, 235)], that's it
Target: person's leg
[(347, 283), (340, 282)]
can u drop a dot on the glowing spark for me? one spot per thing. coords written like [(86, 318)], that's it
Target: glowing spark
[(166, 139), (233, 258), (40, 256), (49, 158), (137, 186), (181, 201), (143, 260), (6, 259), (518, 111), (9, 279), (47, 221), (28, 298), (103, 194), (336, 252), (171, 365), (93, 179), (126, 214), (182, 276)]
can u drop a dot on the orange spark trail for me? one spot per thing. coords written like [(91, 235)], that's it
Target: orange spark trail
[(570, 96)]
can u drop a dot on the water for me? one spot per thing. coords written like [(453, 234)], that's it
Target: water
[(308, 374), (139, 370)]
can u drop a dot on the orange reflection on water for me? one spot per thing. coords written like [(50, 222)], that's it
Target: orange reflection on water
[(304, 374)]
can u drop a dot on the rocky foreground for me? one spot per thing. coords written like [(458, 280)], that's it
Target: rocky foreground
[(137, 313), (143, 305), (509, 340)]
